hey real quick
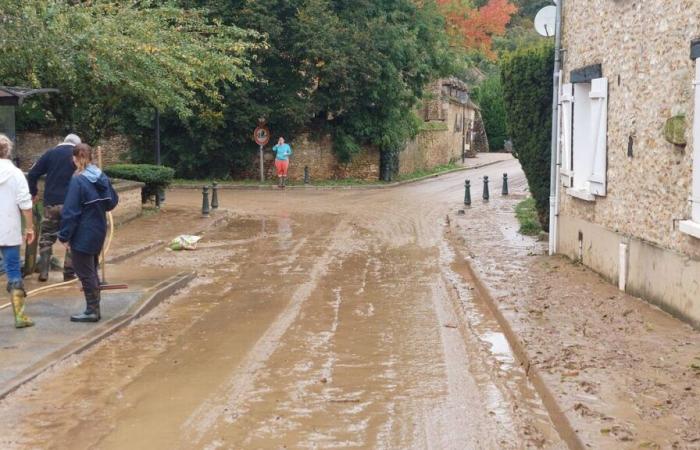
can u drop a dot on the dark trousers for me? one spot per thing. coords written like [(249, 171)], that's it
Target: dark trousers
[(86, 266), (50, 226)]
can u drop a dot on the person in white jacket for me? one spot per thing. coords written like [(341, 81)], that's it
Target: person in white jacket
[(15, 201)]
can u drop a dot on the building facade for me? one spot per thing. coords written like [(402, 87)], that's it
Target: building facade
[(629, 202)]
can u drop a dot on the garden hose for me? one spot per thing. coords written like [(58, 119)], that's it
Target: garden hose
[(37, 291)]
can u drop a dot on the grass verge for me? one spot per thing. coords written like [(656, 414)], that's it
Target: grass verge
[(526, 213)]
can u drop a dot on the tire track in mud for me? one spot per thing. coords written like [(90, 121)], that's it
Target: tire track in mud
[(227, 400)]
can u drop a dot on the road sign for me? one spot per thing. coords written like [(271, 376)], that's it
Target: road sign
[(261, 135)]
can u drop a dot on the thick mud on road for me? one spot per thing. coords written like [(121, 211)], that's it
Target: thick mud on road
[(320, 319)]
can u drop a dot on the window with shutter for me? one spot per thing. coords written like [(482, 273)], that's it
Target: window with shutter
[(599, 128), (565, 140), (692, 226), (584, 162)]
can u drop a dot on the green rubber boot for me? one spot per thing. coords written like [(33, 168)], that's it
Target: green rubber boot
[(18, 296)]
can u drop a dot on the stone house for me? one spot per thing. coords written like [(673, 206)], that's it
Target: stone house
[(629, 165)]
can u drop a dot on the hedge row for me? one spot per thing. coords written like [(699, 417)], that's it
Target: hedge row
[(526, 76), (154, 177)]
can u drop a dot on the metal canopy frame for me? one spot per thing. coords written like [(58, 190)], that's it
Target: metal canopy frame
[(14, 96)]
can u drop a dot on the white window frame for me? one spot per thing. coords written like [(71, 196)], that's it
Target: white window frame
[(583, 138), (692, 226)]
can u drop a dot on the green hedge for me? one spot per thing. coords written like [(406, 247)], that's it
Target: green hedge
[(526, 76), (154, 177), (489, 96)]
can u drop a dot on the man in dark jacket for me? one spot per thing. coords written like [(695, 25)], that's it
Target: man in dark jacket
[(57, 165)]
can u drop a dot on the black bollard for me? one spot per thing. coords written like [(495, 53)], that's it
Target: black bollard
[(467, 193), (214, 195), (306, 174), (486, 188), (205, 201), (504, 191)]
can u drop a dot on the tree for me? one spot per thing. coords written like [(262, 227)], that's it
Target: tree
[(474, 27), (351, 68), (489, 96), (526, 76), (105, 54)]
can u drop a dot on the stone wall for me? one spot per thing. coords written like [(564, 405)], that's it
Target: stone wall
[(31, 145), (643, 47), (316, 152), (130, 206)]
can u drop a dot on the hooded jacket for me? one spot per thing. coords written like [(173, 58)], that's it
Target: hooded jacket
[(83, 222), (14, 195)]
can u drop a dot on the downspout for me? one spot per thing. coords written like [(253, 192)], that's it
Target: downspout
[(554, 171)]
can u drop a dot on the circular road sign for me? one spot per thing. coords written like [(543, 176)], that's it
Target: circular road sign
[(261, 135)]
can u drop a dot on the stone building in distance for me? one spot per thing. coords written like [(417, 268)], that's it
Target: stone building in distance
[(629, 185)]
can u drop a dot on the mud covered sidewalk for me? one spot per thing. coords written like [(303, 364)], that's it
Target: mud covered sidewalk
[(625, 374)]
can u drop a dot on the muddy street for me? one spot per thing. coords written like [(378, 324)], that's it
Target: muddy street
[(319, 319)]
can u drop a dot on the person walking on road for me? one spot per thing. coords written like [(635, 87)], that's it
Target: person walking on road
[(84, 226), (282, 153), (57, 165), (15, 202)]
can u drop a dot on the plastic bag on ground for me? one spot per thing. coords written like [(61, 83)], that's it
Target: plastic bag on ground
[(184, 242)]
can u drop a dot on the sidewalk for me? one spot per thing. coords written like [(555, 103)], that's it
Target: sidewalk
[(620, 373), (28, 352)]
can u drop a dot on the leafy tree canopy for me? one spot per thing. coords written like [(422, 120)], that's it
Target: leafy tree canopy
[(103, 54)]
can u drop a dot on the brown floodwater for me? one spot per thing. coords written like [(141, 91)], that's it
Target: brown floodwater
[(319, 319)]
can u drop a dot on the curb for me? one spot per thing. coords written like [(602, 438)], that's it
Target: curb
[(264, 187), (149, 300), (560, 420), (150, 246)]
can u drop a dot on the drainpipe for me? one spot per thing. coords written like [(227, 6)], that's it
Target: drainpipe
[(554, 171)]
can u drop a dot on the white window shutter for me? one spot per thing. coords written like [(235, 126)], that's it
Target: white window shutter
[(566, 99), (599, 127)]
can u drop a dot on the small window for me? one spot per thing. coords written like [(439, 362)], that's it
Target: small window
[(584, 120)]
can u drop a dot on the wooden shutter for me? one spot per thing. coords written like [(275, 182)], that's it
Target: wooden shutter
[(599, 127), (566, 98)]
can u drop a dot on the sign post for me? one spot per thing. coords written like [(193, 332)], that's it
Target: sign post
[(261, 135)]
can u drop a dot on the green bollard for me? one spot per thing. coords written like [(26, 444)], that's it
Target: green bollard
[(486, 188), (467, 193), (504, 191), (214, 195), (205, 201)]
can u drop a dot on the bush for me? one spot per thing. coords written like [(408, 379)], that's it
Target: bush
[(489, 96), (155, 177), (526, 76)]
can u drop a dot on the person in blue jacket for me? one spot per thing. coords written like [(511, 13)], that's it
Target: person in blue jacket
[(84, 226)]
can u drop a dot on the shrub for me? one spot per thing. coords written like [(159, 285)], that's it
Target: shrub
[(154, 177), (489, 96), (526, 76)]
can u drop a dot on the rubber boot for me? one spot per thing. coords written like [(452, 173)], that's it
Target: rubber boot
[(92, 310), (284, 182), (279, 182), (44, 264), (17, 296)]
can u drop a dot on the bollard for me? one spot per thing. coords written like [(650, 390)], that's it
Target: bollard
[(467, 193), (306, 174), (504, 191), (486, 188), (214, 195), (205, 201)]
